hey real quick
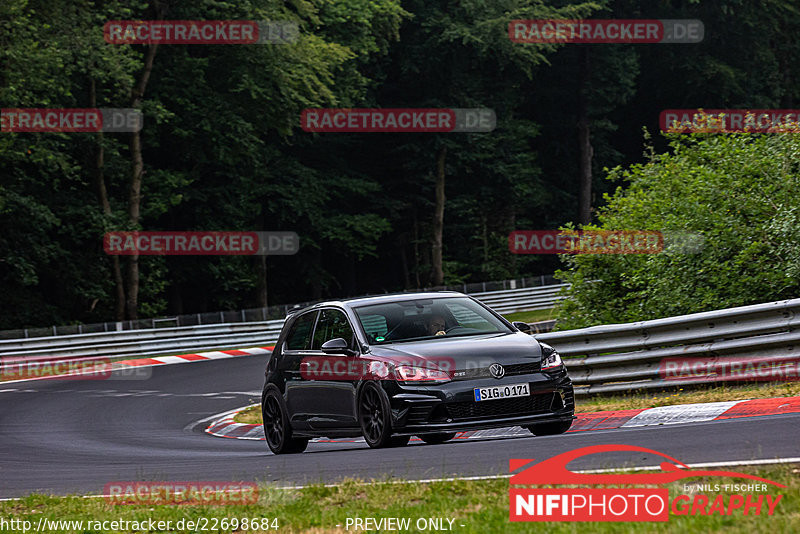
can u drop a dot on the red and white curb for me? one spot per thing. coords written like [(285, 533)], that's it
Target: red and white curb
[(226, 427), (685, 413), (106, 370), (189, 358)]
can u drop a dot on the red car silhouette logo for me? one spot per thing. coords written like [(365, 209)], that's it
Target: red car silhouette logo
[(554, 470)]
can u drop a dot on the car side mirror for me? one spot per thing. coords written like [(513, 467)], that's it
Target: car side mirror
[(522, 327), (337, 346)]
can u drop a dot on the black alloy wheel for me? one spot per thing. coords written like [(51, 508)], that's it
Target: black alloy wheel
[(276, 426), (375, 419)]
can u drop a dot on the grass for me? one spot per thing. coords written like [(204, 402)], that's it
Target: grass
[(476, 506), (251, 416), (530, 316)]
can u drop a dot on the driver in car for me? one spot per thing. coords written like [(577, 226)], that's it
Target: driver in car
[(436, 326)]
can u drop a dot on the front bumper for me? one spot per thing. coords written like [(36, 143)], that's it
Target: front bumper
[(451, 407)]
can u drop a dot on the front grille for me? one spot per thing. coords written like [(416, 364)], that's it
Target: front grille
[(511, 370), (501, 408), (523, 368)]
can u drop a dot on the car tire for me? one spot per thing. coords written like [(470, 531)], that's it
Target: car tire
[(435, 439), (277, 429), (374, 416), (550, 429)]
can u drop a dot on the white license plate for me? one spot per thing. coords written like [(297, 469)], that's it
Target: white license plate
[(502, 392)]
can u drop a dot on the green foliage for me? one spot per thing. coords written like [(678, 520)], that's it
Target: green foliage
[(223, 150), (740, 192)]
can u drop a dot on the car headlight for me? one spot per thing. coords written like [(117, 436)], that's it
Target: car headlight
[(408, 373), (551, 360)]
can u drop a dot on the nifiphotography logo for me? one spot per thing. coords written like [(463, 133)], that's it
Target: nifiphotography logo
[(643, 502)]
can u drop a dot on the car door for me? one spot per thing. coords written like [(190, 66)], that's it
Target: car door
[(330, 395), (296, 347)]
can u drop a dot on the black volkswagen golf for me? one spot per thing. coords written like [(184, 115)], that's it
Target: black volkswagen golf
[(394, 366)]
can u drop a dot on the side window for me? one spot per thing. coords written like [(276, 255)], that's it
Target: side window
[(332, 324), (299, 337), (375, 326)]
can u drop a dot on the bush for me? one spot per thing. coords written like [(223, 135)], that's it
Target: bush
[(740, 192)]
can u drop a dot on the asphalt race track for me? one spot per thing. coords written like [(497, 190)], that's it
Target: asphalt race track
[(74, 436)]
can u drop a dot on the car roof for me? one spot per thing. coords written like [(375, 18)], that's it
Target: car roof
[(356, 302)]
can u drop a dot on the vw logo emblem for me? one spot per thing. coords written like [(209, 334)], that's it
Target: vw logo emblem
[(496, 370)]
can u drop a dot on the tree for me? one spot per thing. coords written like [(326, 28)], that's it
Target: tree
[(461, 57), (739, 192)]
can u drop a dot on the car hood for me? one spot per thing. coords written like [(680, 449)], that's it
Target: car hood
[(468, 352)]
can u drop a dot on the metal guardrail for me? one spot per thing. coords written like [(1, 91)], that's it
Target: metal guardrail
[(166, 340), (143, 342), (526, 299), (604, 359), (248, 315), (683, 351)]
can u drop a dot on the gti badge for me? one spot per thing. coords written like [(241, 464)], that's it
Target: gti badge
[(496, 370)]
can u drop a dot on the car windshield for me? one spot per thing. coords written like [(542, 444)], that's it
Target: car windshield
[(439, 318)]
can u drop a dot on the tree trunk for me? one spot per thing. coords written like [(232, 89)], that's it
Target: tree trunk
[(404, 266), (102, 197), (438, 220), (584, 144), (416, 252), (135, 189)]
